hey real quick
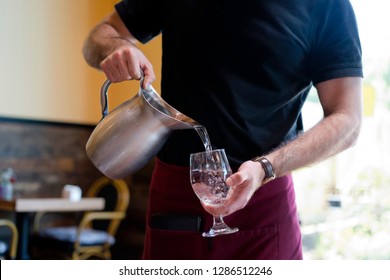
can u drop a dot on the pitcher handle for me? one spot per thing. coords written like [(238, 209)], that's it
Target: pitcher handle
[(104, 97), (104, 94)]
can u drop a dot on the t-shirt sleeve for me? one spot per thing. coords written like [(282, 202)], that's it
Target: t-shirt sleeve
[(336, 50), (143, 18)]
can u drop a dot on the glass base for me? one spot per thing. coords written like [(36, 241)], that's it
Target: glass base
[(215, 232)]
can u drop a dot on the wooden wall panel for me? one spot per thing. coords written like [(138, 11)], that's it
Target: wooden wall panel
[(45, 156)]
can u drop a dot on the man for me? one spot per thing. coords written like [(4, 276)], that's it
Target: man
[(243, 70)]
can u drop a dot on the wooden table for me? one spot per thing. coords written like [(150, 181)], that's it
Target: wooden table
[(24, 206)]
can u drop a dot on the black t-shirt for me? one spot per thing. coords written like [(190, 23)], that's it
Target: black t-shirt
[(244, 68)]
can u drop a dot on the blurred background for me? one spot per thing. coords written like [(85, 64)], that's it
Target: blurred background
[(42, 71), (49, 99), (50, 103), (344, 202)]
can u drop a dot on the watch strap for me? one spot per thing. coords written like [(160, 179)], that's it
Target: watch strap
[(268, 169)]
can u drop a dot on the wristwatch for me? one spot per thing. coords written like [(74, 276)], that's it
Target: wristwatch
[(268, 169)]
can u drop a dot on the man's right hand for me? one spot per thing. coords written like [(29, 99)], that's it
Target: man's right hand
[(128, 63), (112, 48)]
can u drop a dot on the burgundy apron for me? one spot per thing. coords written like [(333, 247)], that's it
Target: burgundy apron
[(268, 225)]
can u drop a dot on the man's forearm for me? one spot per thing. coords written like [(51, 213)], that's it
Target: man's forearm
[(101, 42), (332, 135), (111, 48), (105, 38)]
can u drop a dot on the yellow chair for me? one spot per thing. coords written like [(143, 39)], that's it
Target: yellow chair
[(95, 233), (12, 247)]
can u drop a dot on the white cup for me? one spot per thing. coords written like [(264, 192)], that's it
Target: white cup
[(72, 192)]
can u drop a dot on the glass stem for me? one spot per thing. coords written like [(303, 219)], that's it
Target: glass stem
[(218, 223)]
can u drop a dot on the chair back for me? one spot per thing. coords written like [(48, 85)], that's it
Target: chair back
[(117, 196), (14, 236)]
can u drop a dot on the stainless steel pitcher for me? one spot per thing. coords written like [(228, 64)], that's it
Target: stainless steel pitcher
[(131, 135)]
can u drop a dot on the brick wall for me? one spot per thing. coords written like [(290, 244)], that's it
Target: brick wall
[(48, 155)]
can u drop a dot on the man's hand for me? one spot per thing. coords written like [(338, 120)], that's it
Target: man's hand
[(112, 48), (244, 183), (128, 63)]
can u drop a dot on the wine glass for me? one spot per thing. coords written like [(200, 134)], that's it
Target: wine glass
[(208, 173)]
